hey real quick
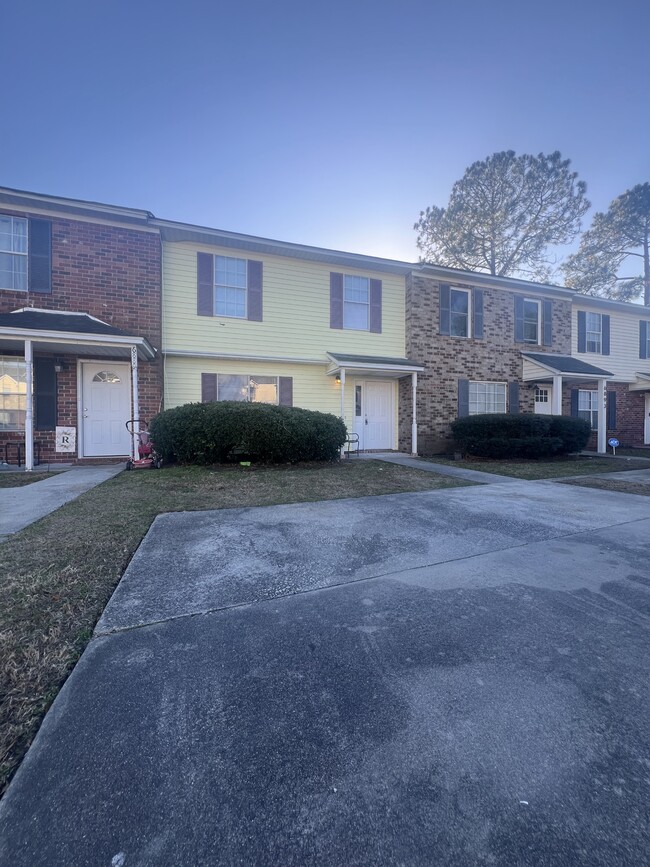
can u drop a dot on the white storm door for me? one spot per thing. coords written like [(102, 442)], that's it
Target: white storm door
[(646, 432), (105, 408), (544, 400), (378, 415)]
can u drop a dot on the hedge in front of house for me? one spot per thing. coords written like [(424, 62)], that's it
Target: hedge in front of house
[(209, 433), (522, 435)]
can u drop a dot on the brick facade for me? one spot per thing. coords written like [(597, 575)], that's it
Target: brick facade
[(630, 413), (112, 273), (495, 357)]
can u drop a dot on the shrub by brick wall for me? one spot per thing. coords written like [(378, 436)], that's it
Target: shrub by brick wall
[(520, 436)]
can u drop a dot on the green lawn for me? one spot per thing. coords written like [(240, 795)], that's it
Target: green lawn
[(551, 469), (58, 574)]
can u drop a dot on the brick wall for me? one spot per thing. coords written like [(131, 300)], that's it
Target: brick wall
[(630, 413), (447, 359), (109, 272)]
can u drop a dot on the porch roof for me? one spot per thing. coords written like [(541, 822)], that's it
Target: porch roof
[(565, 365), (65, 332), (642, 382), (374, 365)]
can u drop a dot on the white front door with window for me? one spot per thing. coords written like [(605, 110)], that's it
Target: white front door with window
[(374, 414), (543, 400), (105, 408)]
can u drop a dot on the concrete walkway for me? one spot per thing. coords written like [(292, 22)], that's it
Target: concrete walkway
[(446, 677), (20, 507)]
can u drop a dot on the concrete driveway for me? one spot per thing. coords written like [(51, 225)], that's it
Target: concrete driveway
[(454, 677)]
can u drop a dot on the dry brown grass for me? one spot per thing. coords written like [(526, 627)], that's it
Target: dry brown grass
[(19, 480), (58, 574), (547, 469), (622, 487)]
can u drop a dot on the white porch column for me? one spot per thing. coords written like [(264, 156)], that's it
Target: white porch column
[(602, 418), (556, 398), (342, 374), (414, 422), (29, 404), (136, 401)]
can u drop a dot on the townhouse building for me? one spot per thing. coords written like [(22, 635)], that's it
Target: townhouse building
[(617, 336), (491, 344), (80, 320), (248, 318), (109, 313)]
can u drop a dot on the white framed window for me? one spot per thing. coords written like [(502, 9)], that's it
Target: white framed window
[(253, 389), (541, 395), (594, 332), (459, 312), (356, 302), (13, 253), (588, 407), (532, 320), (230, 286), (13, 392), (487, 397)]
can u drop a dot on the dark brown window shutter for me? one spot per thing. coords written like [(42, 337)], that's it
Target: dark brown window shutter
[(205, 284), (375, 306), (611, 410), (336, 300), (513, 397), (463, 398), (519, 319), (40, 256), (445, 308), (582, 331), (254, 305), (208, 387), (477, 310), (45, 393), (285, 391), (547, 323)]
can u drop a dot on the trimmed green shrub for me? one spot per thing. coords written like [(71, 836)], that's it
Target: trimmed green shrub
[(523, 435), (209, 433)]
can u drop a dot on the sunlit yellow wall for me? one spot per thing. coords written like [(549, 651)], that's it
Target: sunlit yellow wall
[(296, 302), (623, 359), (312, 388)]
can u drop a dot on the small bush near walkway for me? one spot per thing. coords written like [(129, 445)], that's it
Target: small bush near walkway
[(211, 433), (496, 435)]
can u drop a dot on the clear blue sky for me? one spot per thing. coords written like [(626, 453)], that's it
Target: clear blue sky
[(329, 123)]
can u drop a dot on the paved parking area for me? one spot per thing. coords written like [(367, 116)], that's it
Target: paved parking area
[(450, 677)]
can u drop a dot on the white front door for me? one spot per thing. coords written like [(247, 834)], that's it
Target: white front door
[(646, 430), (377, 414), (543, 400), (105, 408)]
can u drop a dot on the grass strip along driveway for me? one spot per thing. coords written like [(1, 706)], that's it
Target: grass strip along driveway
[(59, 573), (551, 469)]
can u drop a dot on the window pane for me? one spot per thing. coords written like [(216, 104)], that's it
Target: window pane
[(230, 302), (6, 234), (593, 322), (232, 387), (264, 389), (356, 289), (458, 325), (230, 272), (459, 301), (355, 316), (357, 400), (20, 235), (487, 397), (13, 393)]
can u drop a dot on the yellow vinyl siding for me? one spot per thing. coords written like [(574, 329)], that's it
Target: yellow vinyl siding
[(312, 388), (296, 303), (623, 359)]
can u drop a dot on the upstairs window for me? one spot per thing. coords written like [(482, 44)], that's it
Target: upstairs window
[(532, 317), (594, 333), (459, 312), (230, 286), (13, 253), (356, 302)]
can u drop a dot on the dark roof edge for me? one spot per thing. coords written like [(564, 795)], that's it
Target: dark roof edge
[(481, 278), (611, 304), (172, 231), (78, 207)]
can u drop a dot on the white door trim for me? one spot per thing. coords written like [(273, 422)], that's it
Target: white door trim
[(81, 449)]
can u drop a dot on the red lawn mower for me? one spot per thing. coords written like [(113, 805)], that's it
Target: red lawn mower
[(148, 458)]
